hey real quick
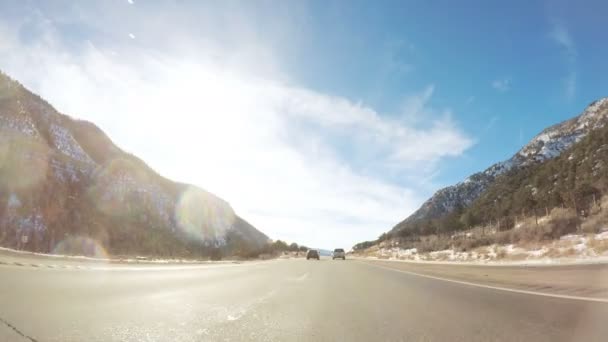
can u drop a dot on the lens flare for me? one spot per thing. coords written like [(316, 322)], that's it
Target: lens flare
[(23, 161), (203, 216), (80, 245), (114, 184)]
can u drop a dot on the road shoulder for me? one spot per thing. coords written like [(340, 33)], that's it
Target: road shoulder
[(576, 281)]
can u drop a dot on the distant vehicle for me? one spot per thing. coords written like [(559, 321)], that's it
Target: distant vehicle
[(339, 254), (312, 254)]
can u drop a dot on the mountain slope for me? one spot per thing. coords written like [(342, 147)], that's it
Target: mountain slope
[(65, 187), (575, 179), (548, 144)]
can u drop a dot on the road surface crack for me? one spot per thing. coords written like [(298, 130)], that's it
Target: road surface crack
[(21, 333)]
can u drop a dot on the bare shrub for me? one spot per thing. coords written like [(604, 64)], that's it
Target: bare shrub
[(594, 223), (503, 238), (501, 254), (562, 222), (530, 234), (462, 245), (554, 252), (433, 244), (482, 241), (530, 231)]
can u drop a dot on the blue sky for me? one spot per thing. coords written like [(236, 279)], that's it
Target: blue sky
[(322, 122), (377, 54)]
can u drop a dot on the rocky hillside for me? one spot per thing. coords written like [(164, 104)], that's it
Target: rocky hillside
[(549, 144), (66, 188)]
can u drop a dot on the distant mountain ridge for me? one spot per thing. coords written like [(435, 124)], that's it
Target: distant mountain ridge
[(548, 144), (65, 187)]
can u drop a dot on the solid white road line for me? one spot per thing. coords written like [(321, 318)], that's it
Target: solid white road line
[(536, 293)]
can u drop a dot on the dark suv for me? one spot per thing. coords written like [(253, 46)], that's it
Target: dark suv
[(339, 254), (312, 254)]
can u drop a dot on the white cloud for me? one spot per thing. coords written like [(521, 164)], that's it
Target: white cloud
[(562, 38), (281, 154), (131, 2), (131, 35), (502, 85)]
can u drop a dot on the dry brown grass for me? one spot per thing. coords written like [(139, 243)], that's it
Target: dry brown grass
[(441, 257), (528, 235), (559, 222), (501, 254), (433, 243), (562, 222), (594, 223), (599, 246), (530, 245), (556, 252)]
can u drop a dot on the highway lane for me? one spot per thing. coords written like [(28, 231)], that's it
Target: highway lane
[(284, 300)]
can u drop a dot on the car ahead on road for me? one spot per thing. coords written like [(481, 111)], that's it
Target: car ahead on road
[(339, 254), (313, 254)]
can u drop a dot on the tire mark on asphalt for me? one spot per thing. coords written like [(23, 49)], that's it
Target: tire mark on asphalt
[(19, 332)]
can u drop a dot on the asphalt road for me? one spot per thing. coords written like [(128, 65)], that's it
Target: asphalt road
[(283, 300)]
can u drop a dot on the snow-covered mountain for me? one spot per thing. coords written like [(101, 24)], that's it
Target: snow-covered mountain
[(64, 185), (548, 144)]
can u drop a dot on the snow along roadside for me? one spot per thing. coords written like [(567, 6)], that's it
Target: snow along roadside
[(572, 249)]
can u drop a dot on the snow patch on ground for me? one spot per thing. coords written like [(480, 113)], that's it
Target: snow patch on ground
[(4, 252), (492, 252), (538, 252), (570, 237), (570, 248), (512, 250), (602, 235)]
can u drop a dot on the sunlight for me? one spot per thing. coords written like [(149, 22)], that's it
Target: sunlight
[(113, 184), (80, 245), (203, 216), (23, 161)]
